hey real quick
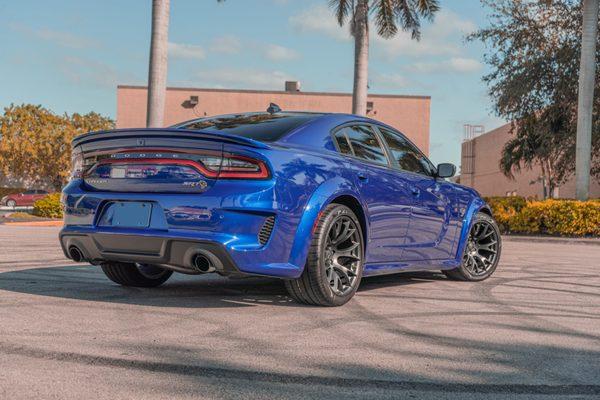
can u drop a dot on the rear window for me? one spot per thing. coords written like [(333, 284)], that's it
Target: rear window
[(264, 127)]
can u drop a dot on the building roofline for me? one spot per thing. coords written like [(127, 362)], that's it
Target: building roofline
[(393, 96)]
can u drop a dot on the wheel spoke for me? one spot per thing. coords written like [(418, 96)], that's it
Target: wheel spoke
[(488, 247), (343, 254), (482, 249)]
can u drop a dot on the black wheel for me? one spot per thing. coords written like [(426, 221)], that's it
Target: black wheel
[(138, 275), (11, 203), (482, 251), (335, 260)]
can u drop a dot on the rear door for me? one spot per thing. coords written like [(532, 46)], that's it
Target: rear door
[(26, 199), (430, 233), (385, 193)]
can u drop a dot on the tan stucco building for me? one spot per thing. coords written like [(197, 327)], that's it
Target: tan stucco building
[(409, 114), (480, 158)]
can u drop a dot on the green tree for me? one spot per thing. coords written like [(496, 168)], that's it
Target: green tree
[(389, 16), (35, 143), (533, 50)]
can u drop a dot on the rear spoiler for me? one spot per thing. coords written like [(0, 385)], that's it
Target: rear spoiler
[(166, 132)]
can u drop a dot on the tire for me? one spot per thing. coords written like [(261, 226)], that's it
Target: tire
[(11, 203), (334, 267), (482, 251), (137, 275)]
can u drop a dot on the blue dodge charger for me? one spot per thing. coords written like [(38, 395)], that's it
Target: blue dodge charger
[(318, 200)]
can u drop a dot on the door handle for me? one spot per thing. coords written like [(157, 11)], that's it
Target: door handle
[(362, 177), (415, 191)]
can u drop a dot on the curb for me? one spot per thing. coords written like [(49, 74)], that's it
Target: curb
[(554, 240), (34, 223)]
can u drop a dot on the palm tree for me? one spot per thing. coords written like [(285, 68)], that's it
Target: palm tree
[(157, 72), (389, 16), (587, 75)]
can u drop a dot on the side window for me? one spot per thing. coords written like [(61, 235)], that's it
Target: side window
[(408, 156), (342, 142), (362, 143), (29, 192)]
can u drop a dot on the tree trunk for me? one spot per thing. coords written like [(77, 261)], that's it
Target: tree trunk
[(360, 32), (544, 186), (157, 72), (587, 75)]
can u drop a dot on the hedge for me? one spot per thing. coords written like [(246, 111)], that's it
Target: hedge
[(48, 207), (548, 217)]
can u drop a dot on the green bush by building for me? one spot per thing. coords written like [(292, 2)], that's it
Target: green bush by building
[(547, 217)]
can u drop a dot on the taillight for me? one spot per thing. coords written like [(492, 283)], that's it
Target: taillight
[(233, 167), (76, 163), (229, 166), (239, 167)]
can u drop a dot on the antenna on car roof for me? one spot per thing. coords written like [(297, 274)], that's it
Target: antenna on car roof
[(273, 108)]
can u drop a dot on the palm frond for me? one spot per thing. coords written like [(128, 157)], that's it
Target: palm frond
[(428, 8), (385, 18), (408, 17), (342, 8), (393, 15)]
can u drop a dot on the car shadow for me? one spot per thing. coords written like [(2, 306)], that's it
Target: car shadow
[(86, 282)]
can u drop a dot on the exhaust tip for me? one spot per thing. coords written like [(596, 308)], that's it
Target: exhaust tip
[(75, 254), (201, 263)]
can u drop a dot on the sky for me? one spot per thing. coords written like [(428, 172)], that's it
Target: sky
[(69, 55)]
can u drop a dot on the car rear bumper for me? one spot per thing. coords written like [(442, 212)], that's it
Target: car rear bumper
[(173, 250)]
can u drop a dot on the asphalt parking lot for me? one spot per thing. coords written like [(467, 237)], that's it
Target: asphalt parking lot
[(531, 331)]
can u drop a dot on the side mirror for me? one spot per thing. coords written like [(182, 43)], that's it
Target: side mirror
[(445, 170)]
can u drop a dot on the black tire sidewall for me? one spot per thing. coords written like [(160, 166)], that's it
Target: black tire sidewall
[(329, 219), (463, 270)]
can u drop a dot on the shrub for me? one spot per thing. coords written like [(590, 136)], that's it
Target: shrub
[(548, 217), (505, 208), (48, 207), (558, 217)]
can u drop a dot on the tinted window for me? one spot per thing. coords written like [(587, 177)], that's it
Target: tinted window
[(364, 143), (342, 142), (29, 192), (259, 126), (408, 156)]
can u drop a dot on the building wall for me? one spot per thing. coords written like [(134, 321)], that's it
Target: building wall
[(480, 158), (409, 114)]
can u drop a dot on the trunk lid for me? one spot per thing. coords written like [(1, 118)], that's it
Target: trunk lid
[(154, 160)]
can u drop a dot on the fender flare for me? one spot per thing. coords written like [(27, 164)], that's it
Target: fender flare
[(321, 198), (476, 205)]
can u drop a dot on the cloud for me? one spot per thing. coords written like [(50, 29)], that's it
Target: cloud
[(319, 19), (393, 80), (83, 71), (243, 78), (454, 64), (188, 51), (60, 38), (227, 44), (275, 52), (442, 37)]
